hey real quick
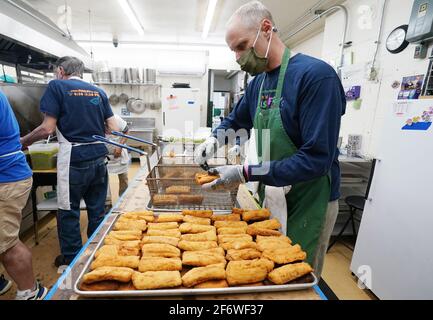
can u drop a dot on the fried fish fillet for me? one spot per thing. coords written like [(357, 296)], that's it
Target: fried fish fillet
[(246, 272), (160, 250), (197, 245), (203, 178), (230, 224), (243, 254), (159, 264), (273, 238), (197, 220), (127, 287), (130, 244), (223, 238), (198, 213), (212, 284), (164, 199), (117, 250), (174, 233), (239, 245), (272, 244), (195, 228), (226, 217), (131, 217), (242, 230), (204, 236), (285, 255), (273, 224), (130, 225), (191, 199), (172, 217), (238, 211), (126, 235), (163, 226), (100, 286), (144, 213), (159, 239), (120, 274), (202, 258), (115, 261), (156, 280), (256, 215), (254, 231), (199, 275), (112, 250), (290, 272), (178, 190)]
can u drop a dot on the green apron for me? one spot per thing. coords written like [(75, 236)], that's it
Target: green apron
[(307, 201)]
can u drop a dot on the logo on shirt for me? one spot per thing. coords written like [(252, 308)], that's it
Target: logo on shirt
[(86, 93), (95, 101)]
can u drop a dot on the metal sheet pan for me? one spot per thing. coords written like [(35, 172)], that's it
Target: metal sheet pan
[(178, 292)]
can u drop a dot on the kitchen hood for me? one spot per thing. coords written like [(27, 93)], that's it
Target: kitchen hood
[(30, 39)]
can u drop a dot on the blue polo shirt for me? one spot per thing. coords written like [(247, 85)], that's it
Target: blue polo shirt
[(81, 110), (13, 168), (313, 102)]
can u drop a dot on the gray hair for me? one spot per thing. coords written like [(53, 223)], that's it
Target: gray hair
[(72, 66), (252, 14)]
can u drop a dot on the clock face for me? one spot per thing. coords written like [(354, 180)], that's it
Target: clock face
[(396, 41)]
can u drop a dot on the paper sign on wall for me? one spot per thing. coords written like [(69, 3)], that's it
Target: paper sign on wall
[(172, 102)]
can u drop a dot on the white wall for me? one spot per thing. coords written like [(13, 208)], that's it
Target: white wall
[(312, 46), (379, 95)]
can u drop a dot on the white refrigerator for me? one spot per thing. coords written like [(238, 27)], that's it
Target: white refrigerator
[(393, 256), (181, 112)]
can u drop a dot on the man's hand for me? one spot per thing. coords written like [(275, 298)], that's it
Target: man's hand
[(206, 150), (233, 153), (230, 178), (117, 152)]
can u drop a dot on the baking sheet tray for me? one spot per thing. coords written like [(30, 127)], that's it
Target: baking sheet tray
[(178, 292)]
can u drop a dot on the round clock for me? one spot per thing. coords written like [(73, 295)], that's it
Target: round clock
[(396, 41)]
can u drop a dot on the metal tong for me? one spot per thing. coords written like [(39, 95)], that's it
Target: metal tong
[(122, 135), (124, 146)]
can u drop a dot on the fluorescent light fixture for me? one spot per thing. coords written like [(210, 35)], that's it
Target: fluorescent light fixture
[(209, 17), (131, 16)]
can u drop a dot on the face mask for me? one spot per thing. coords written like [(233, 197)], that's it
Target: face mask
[(253, 64)]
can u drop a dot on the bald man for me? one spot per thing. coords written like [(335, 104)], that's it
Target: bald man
[(295, 103)]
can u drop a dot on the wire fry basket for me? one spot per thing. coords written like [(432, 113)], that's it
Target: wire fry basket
[(181, 171)]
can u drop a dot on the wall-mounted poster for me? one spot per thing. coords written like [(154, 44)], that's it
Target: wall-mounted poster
[(411, 87)]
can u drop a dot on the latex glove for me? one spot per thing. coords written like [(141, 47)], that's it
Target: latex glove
[(206, 150), (233, 153), (230, 178), (117, 152)]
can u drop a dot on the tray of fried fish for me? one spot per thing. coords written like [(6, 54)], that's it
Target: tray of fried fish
[(195, 252)]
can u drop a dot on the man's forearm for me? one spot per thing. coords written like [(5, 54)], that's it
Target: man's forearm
[(38, 134)]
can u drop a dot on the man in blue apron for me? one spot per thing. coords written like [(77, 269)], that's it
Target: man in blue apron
[(15, 186), (76, 110), (295, 104)]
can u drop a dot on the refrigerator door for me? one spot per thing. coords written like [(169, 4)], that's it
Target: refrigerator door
[(181, 112), (394, 253)]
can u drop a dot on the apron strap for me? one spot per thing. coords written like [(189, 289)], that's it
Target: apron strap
[(281, 77)]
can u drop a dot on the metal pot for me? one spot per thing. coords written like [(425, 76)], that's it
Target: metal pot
[(102, 77), (138, 106), (123, 98), (149, 76), (114, 99), (118, 75), (133, 75), (129, 104)]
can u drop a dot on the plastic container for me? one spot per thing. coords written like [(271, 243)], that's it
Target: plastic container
[(44, 156)]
